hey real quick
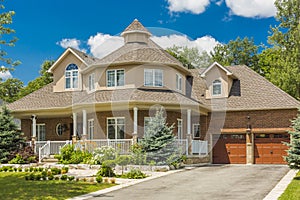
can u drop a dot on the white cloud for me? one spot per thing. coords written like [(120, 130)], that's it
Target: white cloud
[(5, 74), (206, 43), (73, 42), (188, 6), (252, 8), (103, 44)]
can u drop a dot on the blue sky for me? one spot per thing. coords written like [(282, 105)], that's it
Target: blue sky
[(45, 28)]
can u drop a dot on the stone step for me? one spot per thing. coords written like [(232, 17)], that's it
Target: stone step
[(50, 160)]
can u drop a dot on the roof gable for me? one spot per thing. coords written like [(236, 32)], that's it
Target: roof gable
[(216, 64)]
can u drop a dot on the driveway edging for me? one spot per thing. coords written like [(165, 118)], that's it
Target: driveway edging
[(124, 185), (277, 191)]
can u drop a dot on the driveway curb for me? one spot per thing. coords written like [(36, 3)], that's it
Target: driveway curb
[(281, 186), (124, 185)]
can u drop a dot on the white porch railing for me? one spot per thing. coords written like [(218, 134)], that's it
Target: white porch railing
[(44, 151), (199, 147), (121, 145), (47, 148)]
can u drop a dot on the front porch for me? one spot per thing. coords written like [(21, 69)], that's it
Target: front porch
[(46, 148)]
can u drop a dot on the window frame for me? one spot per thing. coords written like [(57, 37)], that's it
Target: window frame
[(153, 74), (69, 75), (116, 127), (91, 129), (115, 84), (197, 124), (179, 82), (216, 83), (91, 82), (40, 137)]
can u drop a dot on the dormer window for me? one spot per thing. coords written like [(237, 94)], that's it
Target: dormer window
[(71, 75), (216, 88), (115, 78)]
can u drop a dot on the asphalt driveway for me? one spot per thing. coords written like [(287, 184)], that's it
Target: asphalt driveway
[(210, 182)]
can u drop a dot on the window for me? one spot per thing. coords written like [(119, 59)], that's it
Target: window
[(90, 129), (178, 82), (179, 128), (60, 129), (217, 87), (115, 78), (153, 77), (91, 82), (115, 128), (196, 130), (71, 75), (41, 132)]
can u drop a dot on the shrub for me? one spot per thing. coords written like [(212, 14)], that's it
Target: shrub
[(37, 176), (26, 177), (55, 171), (22, 156), (31, 169), (20, 169), (64, 170), (135, 174), (112, 180), (17, 160), (40, 169), (56, 178), (139, 157), (64, 177), (71, 178), (123, 160), (104, 153), (31, 176), (15, 169), (69, 155), (50, 177), (106, 171), (99, 179)]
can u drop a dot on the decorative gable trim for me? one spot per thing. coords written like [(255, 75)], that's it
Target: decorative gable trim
[(228, 73), (69, 50)]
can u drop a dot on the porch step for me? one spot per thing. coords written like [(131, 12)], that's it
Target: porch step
[(50, 160)]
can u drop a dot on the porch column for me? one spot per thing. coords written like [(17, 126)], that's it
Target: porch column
[(135, 124), (33, 138), (249, 147), (74, 128), (84, 124), (189, 135)]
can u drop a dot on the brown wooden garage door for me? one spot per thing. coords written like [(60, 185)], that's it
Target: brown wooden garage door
[(229, 149), (269, 148)]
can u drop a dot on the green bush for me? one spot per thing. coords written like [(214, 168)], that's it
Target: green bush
[(55, 171), (139, 157), (99, 179), (17, 160), (105, 171), (64, 177), (37, 176), (71, 178), (19, 169), (50, 177), (31, 176), (135, 174), (68, 155)]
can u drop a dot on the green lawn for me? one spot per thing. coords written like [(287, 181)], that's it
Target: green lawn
[(293, 190), (14, 186)]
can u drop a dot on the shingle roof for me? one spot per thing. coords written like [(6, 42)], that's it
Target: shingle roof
[(45, 98), (87, 58), (136, 26), (250, 92), (140, 53)]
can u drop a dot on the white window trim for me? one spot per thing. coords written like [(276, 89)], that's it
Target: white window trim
[(91, 134), (38, 131), (212, 88), (178, 85), (71, 78), (181, 128), (91, 82), (153, 77), (115, 70), (115, 118), (194, 130)]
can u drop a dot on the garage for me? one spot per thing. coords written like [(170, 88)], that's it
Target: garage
[(269, 149), (229, 149)]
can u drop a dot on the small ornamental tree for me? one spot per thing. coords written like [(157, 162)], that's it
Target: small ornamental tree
[(159, 140), (293, 157), (11, 140)]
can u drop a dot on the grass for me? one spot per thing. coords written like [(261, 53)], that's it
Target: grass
[(292, 192), (14, 186)]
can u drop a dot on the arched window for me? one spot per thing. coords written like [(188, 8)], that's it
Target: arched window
[(217, 87), (71, 76)]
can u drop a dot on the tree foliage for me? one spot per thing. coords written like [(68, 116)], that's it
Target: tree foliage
[(6, 38), (159, 140), (285, 40), (11, 140), (10, 89), (237, 52), (190, 57), (293, 157)]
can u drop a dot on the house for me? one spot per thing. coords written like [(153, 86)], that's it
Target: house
[(242, 116)]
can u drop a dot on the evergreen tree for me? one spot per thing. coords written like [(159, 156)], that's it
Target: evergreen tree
[(293, 157), (11, 140), (159, 140)]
